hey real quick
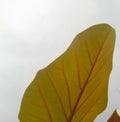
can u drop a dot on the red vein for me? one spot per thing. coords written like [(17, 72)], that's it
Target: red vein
[(60, 100), (68, 89), (90, 108), (88, 52), (98, 44), (87, 80), (100, 83), (45, 103), (88, 97), (78, 71), (97, 72)]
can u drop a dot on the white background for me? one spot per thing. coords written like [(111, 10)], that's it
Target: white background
[(35, 32)]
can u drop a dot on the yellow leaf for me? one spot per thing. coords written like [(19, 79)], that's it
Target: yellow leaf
[(74, 87)]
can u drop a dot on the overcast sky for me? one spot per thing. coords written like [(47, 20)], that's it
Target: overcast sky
[(35, 32)]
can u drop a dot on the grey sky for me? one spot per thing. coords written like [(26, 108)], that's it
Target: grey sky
[(35, 32)]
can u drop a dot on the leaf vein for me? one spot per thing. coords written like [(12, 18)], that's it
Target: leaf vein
[(90, 108), (88, 52), (45, 103), (78, 71), (87, 79), (57, 93), (67, 85), (93, 91)]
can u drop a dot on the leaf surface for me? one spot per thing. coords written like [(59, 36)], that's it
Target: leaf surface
[(74, 87)]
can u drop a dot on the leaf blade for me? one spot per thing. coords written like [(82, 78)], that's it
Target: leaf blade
[(70, 87)]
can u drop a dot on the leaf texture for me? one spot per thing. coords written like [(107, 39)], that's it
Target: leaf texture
[(74, 87)]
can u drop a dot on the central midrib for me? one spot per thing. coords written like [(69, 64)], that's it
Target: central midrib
[(87, 79)]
